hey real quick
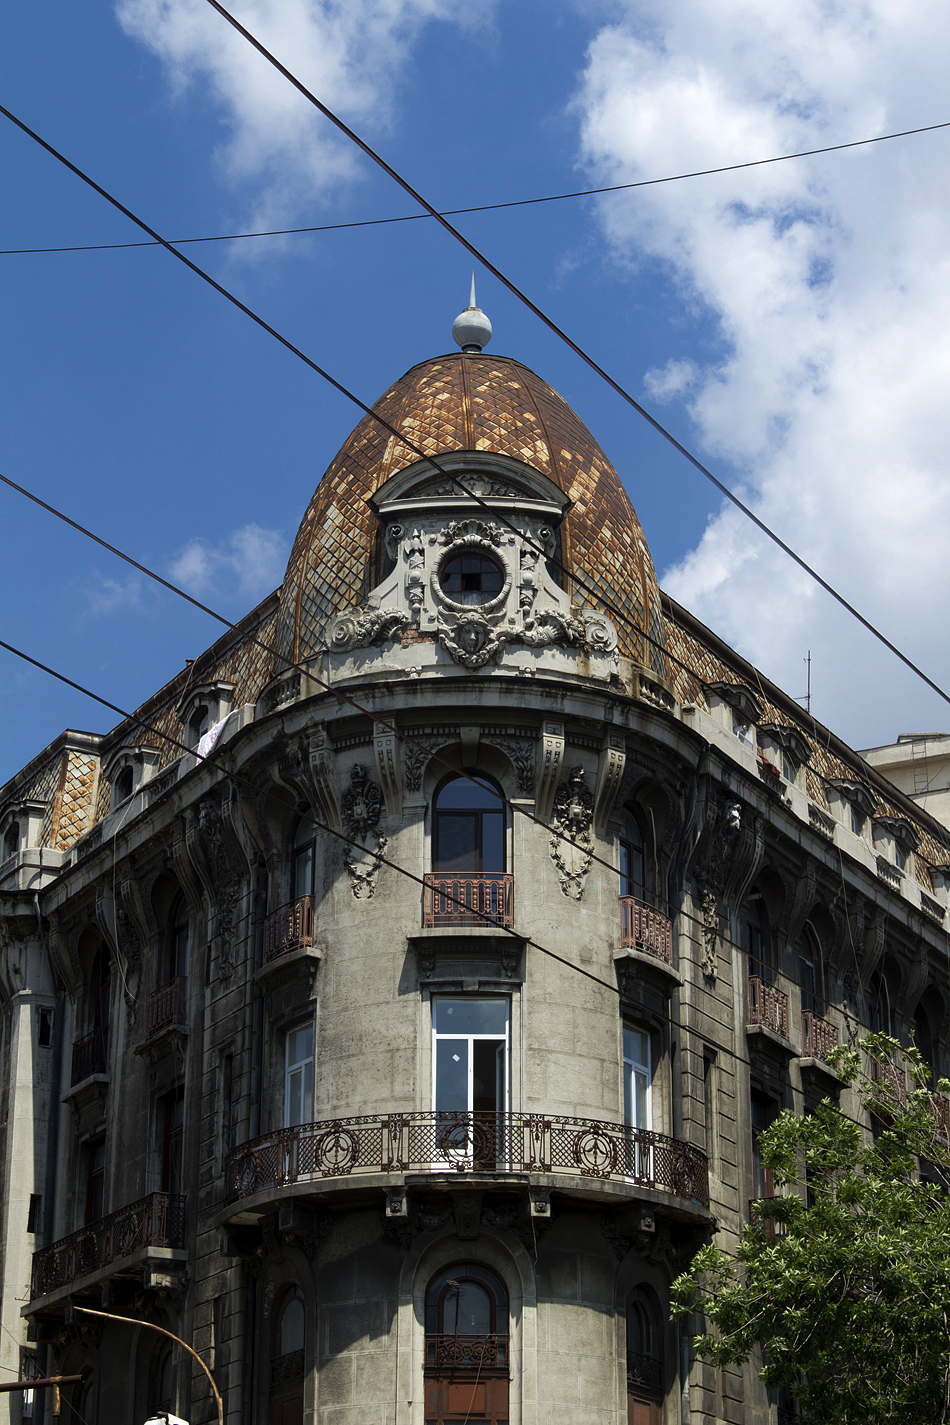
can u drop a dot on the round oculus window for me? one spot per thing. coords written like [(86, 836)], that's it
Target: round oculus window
[(471, 579)]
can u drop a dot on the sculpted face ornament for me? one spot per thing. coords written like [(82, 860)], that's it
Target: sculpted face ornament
[(472, 641)]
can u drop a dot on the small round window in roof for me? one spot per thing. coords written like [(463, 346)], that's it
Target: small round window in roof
[(471, 580)]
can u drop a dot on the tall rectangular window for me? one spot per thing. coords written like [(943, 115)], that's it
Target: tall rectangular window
[(95, 1173), (173, 1136), (711, 1107), (298, 1077), (764, 1111), (637, 1079), (470, 1053)]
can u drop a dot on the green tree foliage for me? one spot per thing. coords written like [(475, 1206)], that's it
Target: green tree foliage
[(842, 1281)]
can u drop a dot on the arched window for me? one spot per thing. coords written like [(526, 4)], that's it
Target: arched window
[(645, 1383), (178, 940), (810, 971), (288, 1341), (161, 1377), (11, 840), (924, 1040), (123, 786), (303, 863), (633, 862), (757, 940), (882, 997), (466, 1347), (98, 993), (198, 724), (468, 833)]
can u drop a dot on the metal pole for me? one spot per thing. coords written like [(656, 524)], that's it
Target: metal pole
[(39, 1384), (149, 1326)]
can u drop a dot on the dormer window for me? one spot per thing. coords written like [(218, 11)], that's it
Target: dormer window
[(857, 820), (202, 707), (11, 840), (742, 730), (127, 769)]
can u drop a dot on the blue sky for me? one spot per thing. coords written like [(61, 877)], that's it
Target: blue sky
[(755, 314)]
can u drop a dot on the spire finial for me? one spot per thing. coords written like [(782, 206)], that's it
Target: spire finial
[(471, 329)]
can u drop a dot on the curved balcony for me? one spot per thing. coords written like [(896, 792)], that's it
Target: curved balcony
[(646, 929), (465, 1143)]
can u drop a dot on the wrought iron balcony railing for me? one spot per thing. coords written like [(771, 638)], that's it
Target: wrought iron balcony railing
[(463, 900), (818, 1036), (89, 1056), (486, 1353), (442, 1142), (289, 928), (768, 1006), (644, 1373), (167, 1006), (894, 1080), (287, 1370), (154, 1221), (644, 928)]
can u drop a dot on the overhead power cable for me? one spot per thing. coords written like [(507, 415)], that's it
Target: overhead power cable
[(575, 347), (380, 859), (486, 207), (405, 440)]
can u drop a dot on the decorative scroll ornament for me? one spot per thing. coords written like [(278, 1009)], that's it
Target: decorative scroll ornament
[(573, 813), (471, 532), (416, 573), (361, 808), (472, 641), (358, 628), (553, 626), (522, 756)]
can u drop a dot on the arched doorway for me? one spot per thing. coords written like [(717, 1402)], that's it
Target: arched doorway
[(287, 1359), (467, 1347), (645, 1384)]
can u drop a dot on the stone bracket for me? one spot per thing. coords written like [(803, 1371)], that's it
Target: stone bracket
[(610, 769), (389, 768), (551, 757)]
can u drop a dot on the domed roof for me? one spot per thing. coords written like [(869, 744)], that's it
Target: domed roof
[(470, 401)]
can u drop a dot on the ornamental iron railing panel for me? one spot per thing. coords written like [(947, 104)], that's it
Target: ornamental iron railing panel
[(157, 1220), (768, 1006), (89, 1055), (487, 1353), (644, 1373), (644, 928), (289, 928), (894, 1080), (940, 1109), (441, 1142), (167, 1006), (286, 1371), (818, 1036), (461, 900)]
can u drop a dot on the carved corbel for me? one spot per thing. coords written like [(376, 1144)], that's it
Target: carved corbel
[(389, 768), (748, 851), (310, 770), (551, 756), (803, 901), (182, 850), (610, 769)]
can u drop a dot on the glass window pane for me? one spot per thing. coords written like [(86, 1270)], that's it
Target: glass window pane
[(294, 1086), (291, 1327), (300, 1045), (493, 842), (467, 1309), (303, 872), (485, 1075), (628, 1095), (636, 1047), (471, 793), (306, 1096), (457, 842), (451, 1075), (642, 1085), (305, 831), (470, 1016)]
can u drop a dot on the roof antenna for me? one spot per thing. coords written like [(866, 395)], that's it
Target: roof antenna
[(471, 329)]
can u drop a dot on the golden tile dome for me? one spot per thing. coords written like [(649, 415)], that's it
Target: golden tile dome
[(492, 404)]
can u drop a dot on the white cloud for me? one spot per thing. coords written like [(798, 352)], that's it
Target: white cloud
[(829, 279), (250, 562), (350, 53), (665, 382), (106, 595)]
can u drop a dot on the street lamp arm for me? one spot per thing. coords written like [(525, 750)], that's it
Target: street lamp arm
[(150, 1326)]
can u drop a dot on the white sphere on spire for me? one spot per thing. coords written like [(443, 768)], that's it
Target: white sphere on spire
[(471, 329)]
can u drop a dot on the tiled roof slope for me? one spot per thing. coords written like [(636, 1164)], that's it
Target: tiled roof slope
[(708, 659), (64, 776), (469, 401)]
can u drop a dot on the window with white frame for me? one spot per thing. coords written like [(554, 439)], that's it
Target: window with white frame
[(470, 1054), (742, 730), (304, 851), (637, 1078), (298, 1077)]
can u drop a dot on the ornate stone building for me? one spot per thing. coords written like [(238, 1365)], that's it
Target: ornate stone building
[(393, 1006)]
